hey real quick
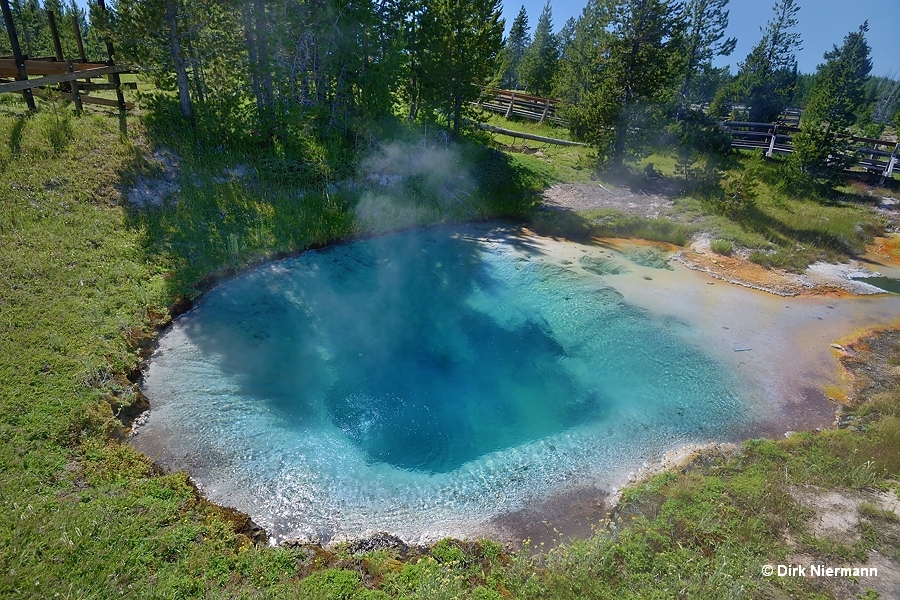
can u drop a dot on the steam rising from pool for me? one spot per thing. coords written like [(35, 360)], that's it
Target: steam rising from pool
[(421, 384)]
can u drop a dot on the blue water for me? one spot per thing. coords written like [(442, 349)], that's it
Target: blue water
[(421, 382)]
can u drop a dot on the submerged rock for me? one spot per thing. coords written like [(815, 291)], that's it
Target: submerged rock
[(602, 266), (379, 541)]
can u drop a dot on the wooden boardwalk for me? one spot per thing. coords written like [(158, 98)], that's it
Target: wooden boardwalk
[(72, 77), (511, 103), (874, 155)]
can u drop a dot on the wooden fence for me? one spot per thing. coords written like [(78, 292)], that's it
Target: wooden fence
[(512, 103), (72, 77), (873, 155)]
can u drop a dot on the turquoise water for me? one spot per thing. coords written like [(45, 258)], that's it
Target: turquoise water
[(419, 383), (888, 284)]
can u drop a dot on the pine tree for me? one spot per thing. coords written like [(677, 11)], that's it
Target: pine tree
[(463, 38), (539, 63), (623, 69), (836, 99), (334, 61), (33, 28), (412, 84), (766, 78), (566, 35), (706, 22), (581, 63), (163, 37), (5, 45), (514, 50)]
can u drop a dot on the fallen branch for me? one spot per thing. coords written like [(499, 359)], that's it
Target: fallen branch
[(528, 136)]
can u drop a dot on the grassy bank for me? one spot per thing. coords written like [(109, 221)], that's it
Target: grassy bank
[(86, 278), (760, 206)]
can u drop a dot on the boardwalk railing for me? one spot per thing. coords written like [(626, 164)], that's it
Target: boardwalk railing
[(512, 103), (72, 76), (873, 155)]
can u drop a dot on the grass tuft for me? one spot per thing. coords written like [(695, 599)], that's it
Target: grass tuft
[(723, 247)]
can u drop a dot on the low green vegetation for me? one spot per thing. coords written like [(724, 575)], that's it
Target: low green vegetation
[(88, 276), (764, 206), (722, 247)]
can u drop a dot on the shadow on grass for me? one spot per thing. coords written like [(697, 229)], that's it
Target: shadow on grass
[(649, 181), (15, 135), (560, 223), (799, 246), (609, 223), (239, 202)]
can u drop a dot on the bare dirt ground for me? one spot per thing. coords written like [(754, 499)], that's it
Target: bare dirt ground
[(840, 515), (656, 199), (649, 203)]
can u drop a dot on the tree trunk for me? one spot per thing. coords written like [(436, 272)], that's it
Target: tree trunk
[(251, 54), (621, 134), (197, 72), (184, 92), (263, 55), (457, 115)]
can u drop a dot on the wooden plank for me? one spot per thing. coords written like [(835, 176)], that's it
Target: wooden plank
[(44, 67), (84, 99), (508, 93), (866, 140), (765, 126), (51, 79), (54, 33), (34, 67), (78, 39), (871, 151), (104, 101), (546, 111), (91, 86), (76, 93)]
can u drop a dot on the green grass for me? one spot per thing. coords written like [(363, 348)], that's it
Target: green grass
[(545, 129), (761, 205), (85, 280), (722, 247), (743, 200), (564, 163)]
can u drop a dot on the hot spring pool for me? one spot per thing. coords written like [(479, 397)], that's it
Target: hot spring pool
[(425, 382)]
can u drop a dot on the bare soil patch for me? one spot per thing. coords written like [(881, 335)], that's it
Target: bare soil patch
[(649, 203), (838, 515)]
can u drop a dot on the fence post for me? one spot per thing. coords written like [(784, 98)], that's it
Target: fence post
[(78, 39), (771, 149), (889, 170), (17, 53), (546, 110), (120, 99), (71, 86), (512, 100)]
